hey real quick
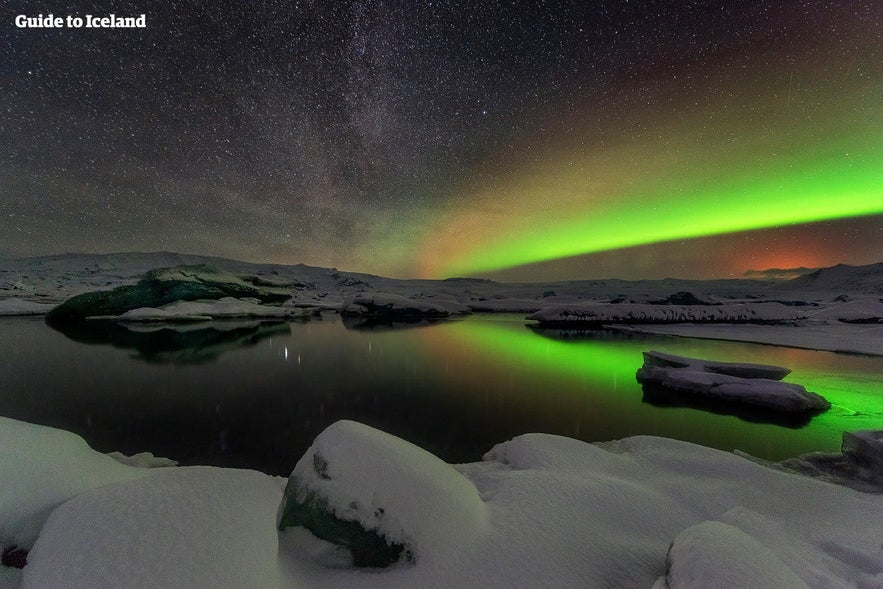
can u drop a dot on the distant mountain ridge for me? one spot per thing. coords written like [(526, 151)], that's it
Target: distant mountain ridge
[(55, 278), (778, 273)]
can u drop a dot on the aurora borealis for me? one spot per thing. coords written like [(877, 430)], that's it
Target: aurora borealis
[(520, 141)]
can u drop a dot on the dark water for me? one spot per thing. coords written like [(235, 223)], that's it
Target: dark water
[(255, 395)]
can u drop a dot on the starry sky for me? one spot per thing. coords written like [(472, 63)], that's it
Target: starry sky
[(512, 140)]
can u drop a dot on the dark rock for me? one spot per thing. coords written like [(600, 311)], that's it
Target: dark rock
[(14, 557), (306, 508)]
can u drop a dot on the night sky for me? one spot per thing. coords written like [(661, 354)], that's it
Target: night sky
[(514, 140)]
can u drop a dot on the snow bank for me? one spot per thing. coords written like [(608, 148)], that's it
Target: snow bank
[(718, 381), (835, 337), (16, 306), (419, 506), (196, 527), (538, 511), (41, 468), (597, 314), (861, 310)]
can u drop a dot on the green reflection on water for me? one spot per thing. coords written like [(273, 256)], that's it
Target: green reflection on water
[(601, 366)]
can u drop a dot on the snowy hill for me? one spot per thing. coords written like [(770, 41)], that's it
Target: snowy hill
[(840, 278), (57, 278)]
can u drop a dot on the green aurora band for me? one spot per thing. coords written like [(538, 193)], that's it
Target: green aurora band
[(822, 188)]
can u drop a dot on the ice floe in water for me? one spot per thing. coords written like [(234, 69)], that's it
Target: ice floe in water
[(752, 385)]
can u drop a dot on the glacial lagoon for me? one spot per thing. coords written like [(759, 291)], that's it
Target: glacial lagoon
[(253, 394)]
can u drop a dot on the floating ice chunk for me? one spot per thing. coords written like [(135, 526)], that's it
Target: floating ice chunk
[(390, 306), (716, 381)]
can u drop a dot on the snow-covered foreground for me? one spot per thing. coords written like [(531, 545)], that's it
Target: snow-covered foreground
[(539, 511)]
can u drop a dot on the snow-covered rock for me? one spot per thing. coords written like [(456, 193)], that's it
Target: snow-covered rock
[(858, 465), (864, 447), (723, 382), (598, 314), (381, 497)]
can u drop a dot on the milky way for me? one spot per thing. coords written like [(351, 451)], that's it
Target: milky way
[(439, 138)]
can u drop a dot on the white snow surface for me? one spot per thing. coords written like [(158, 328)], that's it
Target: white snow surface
[(553, 512), (17, 306), (835, 337), (142, 460), (196, 527), (718, 555)]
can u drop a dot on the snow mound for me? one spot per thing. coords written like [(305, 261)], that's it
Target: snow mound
[(715, 554), (598, 314), (42, 467), (390, 306), (545, 511), (16, 306), (715, 380), (410, 498), (195, 527)]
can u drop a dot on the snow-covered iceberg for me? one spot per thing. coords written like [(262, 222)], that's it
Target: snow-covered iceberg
[(225, 308), (754, 385), (389, 307), (163, 286)]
